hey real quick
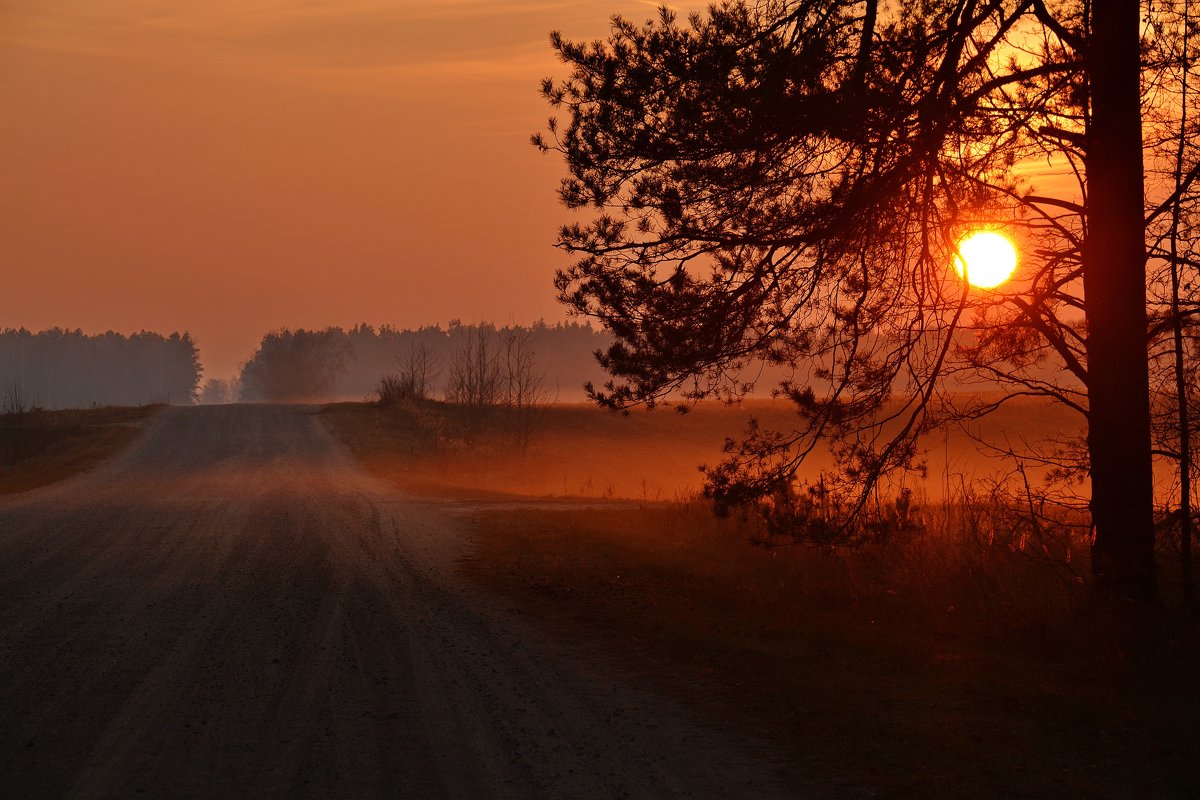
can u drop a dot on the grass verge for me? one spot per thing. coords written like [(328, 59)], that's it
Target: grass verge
[(40, 447)]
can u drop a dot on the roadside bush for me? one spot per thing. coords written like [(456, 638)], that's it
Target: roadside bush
[(15, 402), (394, 390)]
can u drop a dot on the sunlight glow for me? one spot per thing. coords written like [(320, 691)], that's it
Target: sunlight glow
[(985, 259)]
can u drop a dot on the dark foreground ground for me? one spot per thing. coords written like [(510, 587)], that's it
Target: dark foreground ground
[(232, 608)]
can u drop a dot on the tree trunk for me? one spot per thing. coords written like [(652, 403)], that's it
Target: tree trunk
[(1115, 292), (1181, 383)]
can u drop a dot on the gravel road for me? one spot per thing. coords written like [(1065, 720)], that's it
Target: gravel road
[(233, 608)]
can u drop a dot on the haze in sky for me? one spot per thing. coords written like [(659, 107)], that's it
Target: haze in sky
[(233, 166)]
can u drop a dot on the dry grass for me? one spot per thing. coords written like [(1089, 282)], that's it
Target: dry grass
[(920, 668), (38, 448), (961, 661)]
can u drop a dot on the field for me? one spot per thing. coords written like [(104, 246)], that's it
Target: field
[(39, 447), (958, 660)]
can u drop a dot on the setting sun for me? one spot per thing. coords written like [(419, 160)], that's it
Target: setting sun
[(985, 259)]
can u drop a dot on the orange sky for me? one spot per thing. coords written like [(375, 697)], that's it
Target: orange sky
[(230, 166)]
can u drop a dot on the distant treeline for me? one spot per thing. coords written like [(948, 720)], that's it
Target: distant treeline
[(304, 365), (70, 369)]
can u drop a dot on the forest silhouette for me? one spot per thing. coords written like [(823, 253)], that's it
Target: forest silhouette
[(61, 368), (292, 365)]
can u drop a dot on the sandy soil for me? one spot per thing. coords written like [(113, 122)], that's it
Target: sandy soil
[(232, 607)]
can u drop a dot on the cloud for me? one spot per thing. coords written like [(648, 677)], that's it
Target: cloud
[(351, 45)]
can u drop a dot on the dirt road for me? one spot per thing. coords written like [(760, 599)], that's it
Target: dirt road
[(232, 608)]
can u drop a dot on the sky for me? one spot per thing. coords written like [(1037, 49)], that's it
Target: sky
[(228, 167)]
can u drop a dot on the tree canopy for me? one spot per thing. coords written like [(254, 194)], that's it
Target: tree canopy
[(787, 181)]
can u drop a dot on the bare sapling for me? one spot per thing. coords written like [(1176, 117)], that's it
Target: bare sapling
[(475, 380), (525, 393)]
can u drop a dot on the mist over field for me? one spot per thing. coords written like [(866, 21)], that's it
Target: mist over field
[(60, 368)]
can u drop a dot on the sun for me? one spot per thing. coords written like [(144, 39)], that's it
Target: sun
[(985, 259)]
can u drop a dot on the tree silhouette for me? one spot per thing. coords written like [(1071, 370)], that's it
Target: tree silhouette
[(215, 391), (1172, 238), (69, 369), (298, 365), (787, 181), (295, 365)]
